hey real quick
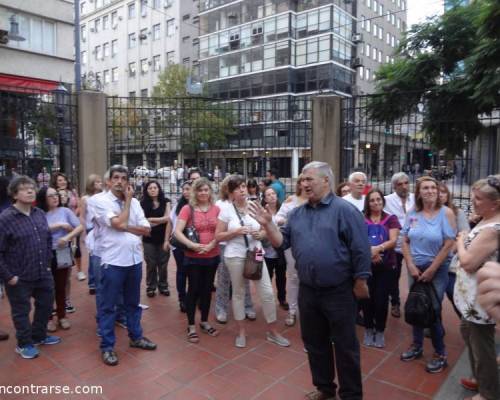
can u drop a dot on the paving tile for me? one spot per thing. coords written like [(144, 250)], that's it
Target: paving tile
[(281, 391)]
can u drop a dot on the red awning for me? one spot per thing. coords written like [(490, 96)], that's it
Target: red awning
[(13, 83)]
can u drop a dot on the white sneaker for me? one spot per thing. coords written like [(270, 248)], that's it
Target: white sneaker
[(290, 319), (221, 318), (369, 338), (81, 276), (240, 341), (277, 339), (250, 315)]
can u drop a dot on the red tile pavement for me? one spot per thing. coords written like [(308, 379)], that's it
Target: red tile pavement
[(214, 368)]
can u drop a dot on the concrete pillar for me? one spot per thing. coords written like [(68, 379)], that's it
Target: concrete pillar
[(92, 147), (295, 163), (124, 159), (326, 132)]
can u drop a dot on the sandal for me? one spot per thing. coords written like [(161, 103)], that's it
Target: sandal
[(192, 336), (209, 330)]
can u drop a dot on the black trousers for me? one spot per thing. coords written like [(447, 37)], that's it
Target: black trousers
[(328, 315), (200, 275), (20, 295), (394, 289), (375, 308), (278, 265)]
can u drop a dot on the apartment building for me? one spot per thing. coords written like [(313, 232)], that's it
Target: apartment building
[(125, 44)]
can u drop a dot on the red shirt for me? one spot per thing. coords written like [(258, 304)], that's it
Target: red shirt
[(205, 223)]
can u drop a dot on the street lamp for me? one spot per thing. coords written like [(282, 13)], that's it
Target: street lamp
[(63, 129)]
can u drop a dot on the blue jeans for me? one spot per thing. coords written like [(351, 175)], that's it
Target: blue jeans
[(95, 265), (116, 280), (180, 275), (440, 282)]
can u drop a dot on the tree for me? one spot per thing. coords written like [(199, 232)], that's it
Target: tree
[(450, 64), (203, 123)]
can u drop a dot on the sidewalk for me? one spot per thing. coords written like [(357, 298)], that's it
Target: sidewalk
[(214, 368)]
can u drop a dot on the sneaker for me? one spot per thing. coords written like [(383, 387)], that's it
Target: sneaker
[(240, 341), (151, 293), (395, 311), (290, 319), (436, 364), (250, 315), (70, 308), (49, 339), (143, 343), (64, 323), (379, 340), (221, 318), (412, 353), (109, 358), (51, 326), (369, 339), (81, 276), (165, 292), (284, 305), (277, 339), (319, 395), (28, 351)]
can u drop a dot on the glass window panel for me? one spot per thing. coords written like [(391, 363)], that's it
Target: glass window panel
[(282, 54), (312, 22), (301, 53), (301, 26), (36, 34), (324, 49), (270, 30), (269, 56), (282, 30), (49, 30), (324, 19)]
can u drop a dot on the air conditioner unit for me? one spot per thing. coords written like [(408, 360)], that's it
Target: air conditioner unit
[(257, 31), (357, 38), (232, 15), (234, 37), (143, 36), (4, 36), (356, 62)]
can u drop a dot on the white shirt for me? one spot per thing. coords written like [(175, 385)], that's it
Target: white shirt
[(358, 203), (173, 175), (180, 173), (223, 204), (117, 247), (92, 241), (394, 206), (236, 247)]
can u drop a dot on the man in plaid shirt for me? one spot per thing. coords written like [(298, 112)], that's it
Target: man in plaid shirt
[(25, 254)]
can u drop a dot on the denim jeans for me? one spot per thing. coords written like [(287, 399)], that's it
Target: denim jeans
[(440, 282), (180, 275), (117, 280), (328, 315), (20, 295), (375, 307)]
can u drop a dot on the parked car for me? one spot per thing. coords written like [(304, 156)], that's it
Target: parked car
[(144, 171), (163, 172)]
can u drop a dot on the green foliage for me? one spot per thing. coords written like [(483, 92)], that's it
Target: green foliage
[(450, 64)]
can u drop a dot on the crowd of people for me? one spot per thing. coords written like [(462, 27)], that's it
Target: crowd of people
[(336, 256)]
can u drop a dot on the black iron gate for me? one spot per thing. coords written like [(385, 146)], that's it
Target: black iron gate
[(38, 129), (380, 150)]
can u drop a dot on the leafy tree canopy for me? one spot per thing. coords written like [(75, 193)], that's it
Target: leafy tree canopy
[(451, 65)]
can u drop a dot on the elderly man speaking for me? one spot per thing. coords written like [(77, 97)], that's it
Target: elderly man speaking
[(329, 242)]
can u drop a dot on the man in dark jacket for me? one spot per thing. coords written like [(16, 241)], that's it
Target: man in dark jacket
[(329, 242)]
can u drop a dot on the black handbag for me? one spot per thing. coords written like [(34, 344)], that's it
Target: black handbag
[(253, 267), (189, 231)]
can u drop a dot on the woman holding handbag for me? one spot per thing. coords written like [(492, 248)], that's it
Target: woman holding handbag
[(243, 234), (198, 220), (64, 226), (428, 236)]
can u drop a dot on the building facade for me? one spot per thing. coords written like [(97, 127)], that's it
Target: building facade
[(125, 44)]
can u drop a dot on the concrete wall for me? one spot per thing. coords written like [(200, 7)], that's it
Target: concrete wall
[(326, 132), (91, 135)]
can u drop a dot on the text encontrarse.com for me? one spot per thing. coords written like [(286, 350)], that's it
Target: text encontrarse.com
[(49, 389)]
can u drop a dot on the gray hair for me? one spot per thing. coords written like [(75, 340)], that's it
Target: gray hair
[(351, 177), (324, 169), (118, 168), (17, 182), (397, 177)]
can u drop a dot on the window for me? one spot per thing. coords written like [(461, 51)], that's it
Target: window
[(367, 50), (144, 66), (97, 25), (131, 40), (131, 10), (374, 54), (368, 27), (369, 3), (393, 41), (156, 32), (105, 22), (381, 10), (114, 47), (98, 52), (403, 4), (83, 33), (106, 76), (363, 21), (185, 61), (131, 69), (83, 57), (375, 5), (185, 17), (143, 36), (388, 38), (398, 23), (131, 94), (98, 77), (361, 71), (39, 34), (387, 59), (381, 33), (388, 15), (393, 19), (156, 63), (185, 39), (156, 4), (168, 3), (105, 49), (144, 92), (114, 19), (367, 74), (379, 56), (114, 74), (170, 27), (170, 57), (375, 29), (83, 7), (144, 8)]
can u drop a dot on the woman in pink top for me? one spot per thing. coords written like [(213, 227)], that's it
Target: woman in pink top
[(200, 259)]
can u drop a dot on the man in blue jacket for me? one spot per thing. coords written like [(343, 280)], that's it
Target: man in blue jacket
[(329, 242), (276, 184)]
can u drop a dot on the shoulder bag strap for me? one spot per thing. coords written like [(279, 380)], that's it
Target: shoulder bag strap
[(242, 224), (192, 215)]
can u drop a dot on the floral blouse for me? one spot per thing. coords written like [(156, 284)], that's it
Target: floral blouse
[(465, 293)]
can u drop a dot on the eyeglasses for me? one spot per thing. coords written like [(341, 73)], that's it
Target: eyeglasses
[(53, 195), (494, 182)]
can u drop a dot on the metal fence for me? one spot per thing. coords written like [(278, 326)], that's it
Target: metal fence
[(154, 136), (38, 129), (380, 150)]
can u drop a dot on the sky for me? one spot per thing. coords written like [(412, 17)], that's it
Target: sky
[(418, 10)]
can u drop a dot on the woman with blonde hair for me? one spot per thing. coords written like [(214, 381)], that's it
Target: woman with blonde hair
[(292, 279), (200, 259), (474, 249)]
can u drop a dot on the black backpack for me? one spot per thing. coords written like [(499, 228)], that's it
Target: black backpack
[(422, 308)]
